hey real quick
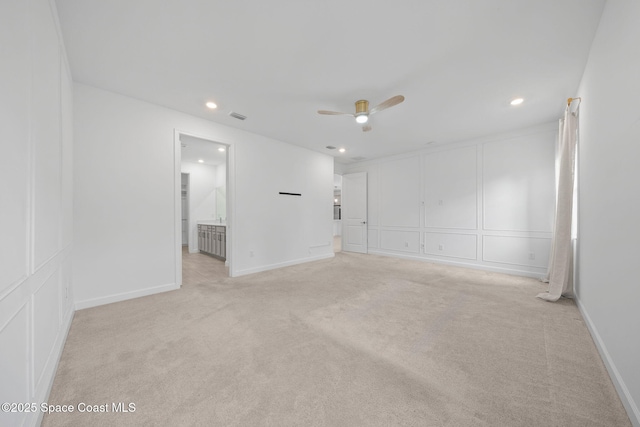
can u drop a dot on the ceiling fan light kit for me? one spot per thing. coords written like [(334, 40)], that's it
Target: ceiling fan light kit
[(362, 118), (362, 110)]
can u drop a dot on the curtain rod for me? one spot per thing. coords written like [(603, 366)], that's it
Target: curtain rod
[(570, 100)]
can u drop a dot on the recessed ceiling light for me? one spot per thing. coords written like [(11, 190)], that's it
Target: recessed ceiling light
[(342, 150), (211, 105), (221, 149), (517, 101), (200, 161)]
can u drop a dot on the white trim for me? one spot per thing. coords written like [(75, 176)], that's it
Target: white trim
[(424, 251), (623, 392), (231, 255), (482, 267), (510, 237), (177, 211), (94, 302), (282, 264)]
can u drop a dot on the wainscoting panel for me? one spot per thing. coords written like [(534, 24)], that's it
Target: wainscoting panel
[(522, 251), (400, 193), (66, 96), (46, 322), (14, 104), (402, 241), (46, 132), (450, 183), (518, 183), (451, 245), (14, 343)]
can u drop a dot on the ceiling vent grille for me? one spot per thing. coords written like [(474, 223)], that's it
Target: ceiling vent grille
[(237, 115), (359, 158)]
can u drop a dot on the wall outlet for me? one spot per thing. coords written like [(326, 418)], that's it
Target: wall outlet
[(532, 256), (440, 247), (406, 244), (251, 254)]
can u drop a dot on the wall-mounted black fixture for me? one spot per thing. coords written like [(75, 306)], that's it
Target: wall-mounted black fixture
[(290, 194)]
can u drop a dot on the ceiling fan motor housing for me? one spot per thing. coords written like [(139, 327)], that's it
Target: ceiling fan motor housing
[(362, 106)]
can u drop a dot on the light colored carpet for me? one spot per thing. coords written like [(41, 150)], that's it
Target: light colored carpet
[(357, 340)]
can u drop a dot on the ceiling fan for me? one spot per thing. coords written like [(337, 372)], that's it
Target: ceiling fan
[(362, 110)]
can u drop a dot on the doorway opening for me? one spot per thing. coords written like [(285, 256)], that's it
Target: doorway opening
[(337, 213), (204, 239)]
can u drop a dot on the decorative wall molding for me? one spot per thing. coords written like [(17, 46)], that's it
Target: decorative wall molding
[(454, 210)]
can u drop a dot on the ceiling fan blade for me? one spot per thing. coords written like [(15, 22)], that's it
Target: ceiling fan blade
[(394, 100), (333, 113), (366, 128)]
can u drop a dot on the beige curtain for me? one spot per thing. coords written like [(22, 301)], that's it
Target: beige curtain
[(560, 273)]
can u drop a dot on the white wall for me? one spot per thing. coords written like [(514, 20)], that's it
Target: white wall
[(277, 229), (36, 213), (221, 175), (486, 203), (125, 211), (221, 197), (609, 197), (339, 168), (202, 197)]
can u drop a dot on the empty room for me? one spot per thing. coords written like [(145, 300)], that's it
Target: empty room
[(334, 213)]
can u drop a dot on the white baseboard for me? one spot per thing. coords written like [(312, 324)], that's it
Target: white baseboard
[(464, 264), (280, 265), (625, 396), (94, 302), (50, 370)]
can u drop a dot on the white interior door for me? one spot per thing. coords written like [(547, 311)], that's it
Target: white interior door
[(354, 212)]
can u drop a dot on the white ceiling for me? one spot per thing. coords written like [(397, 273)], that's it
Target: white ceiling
[(457, 62), (195, 149)]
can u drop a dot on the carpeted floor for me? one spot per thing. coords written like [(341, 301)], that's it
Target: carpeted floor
[(357, 340)]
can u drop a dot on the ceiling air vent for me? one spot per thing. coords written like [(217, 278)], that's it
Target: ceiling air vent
[(237, 116), (330, 147), (358, 159)]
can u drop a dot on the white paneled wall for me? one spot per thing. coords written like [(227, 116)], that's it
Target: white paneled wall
[(399, 193), (486, 203), (36, 216), (517, 178), (450, 189)]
